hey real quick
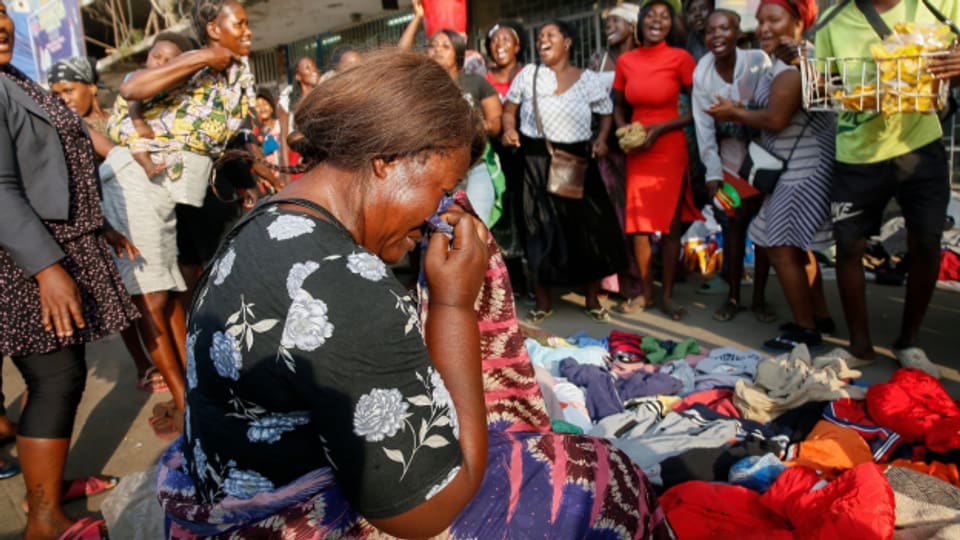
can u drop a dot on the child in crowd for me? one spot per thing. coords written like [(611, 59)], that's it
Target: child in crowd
[(166, 46)]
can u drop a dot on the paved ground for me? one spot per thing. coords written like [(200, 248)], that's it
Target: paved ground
[(112, 435)]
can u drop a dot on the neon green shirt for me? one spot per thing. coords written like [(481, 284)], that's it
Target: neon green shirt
[(869, 137)]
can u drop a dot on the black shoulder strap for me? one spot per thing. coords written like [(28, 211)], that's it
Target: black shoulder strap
[(873, 17), (942, 18)]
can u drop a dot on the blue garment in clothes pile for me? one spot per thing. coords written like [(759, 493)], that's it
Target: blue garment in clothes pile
[(757, 472)]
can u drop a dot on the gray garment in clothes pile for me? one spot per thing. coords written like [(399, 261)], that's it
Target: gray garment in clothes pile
[(648, 437), (927, 508)]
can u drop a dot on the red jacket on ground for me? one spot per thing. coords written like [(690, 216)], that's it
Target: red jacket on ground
[(858, 505)]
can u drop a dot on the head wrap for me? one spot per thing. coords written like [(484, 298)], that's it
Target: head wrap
[(626, 11), (82, 69), (805, 10), (181, 41)]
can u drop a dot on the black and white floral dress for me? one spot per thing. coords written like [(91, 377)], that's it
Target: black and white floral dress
[(304, 352)]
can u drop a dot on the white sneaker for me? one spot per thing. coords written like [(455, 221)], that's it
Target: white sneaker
[(914, 357)]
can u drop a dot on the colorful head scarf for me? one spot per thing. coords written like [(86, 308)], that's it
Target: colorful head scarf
[(805, 10)]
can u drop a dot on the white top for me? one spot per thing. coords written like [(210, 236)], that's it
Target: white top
[(566, 117), (750, 67)]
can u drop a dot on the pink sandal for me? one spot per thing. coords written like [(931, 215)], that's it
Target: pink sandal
[(85, 529), (152, 381)]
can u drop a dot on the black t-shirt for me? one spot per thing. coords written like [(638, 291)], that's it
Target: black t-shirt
[(305, 352), (476, 89)]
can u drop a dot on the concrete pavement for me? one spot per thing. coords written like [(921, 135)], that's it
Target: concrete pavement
[(112, 435)]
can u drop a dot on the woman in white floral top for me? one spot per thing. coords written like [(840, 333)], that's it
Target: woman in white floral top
[(321, 404)]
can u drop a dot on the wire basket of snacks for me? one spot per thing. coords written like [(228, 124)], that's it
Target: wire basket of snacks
[(894, 79)]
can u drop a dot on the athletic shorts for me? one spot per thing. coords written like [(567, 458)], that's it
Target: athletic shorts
[(861, 191)]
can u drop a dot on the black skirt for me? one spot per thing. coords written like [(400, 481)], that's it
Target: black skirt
[(569, 241)]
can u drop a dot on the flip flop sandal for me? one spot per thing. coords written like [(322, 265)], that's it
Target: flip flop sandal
[(81, 488), (85, 529), (600, 314), (536, 316), (727, 311), (152, 381)]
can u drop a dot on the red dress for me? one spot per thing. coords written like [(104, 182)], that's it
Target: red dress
[(651, 79)]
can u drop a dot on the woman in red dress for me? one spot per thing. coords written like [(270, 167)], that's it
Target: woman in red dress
[(649, 80)]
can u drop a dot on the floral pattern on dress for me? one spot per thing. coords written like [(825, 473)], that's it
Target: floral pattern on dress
[(307, 326), (199, 460), (242, 324), (367, 265), (244, 484), (226, 356), (379, 414), (406, 305), (191, 360), (270, 428), (443, 483), (441, 398), (287, 226), (384, 413), (299, 273), (224, 266)]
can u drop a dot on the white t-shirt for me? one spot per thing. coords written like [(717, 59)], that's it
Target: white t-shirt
[(566, 117)]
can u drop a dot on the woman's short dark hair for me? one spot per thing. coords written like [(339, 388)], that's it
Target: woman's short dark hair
[(458, 42), (565, 28), (674, 21), (518, 31), (203, 13), (398, 104)]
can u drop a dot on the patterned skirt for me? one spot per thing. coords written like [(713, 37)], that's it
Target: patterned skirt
[(537, 484)]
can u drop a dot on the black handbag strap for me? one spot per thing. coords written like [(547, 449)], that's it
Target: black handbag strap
[(536, 111), (800, 136), (873, 17)]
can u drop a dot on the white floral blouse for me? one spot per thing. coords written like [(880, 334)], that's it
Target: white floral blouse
[(305, 352)]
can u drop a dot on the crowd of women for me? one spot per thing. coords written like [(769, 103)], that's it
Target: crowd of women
[(294, 410)]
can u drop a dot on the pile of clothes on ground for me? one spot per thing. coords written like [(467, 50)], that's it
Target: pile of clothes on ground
[(745, 446)]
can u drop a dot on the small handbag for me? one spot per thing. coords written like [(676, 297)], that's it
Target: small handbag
[(762, 169), (568, 171)]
